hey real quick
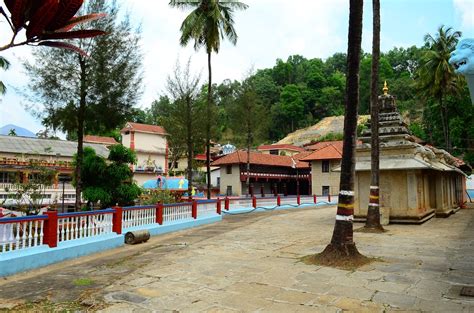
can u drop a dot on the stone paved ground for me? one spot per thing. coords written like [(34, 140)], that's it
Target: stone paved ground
[(250, 263)]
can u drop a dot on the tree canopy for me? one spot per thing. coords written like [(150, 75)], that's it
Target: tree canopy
[(109, 182)]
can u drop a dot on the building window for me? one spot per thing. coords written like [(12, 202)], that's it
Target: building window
[(229, 191), (274, 152), (325, 166), (228, 169), (325, 190), (7, 177), (218, 181)]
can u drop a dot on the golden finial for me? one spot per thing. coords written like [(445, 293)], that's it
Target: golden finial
[(385, 88)]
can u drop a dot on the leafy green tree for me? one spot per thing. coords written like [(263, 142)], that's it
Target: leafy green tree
[(29, 196), (95, 94), (266, 88), (12, 132), (336, 63), (404, 60), (385, 74), (206, 25), (109, 182), (181, 114), (436, 77), (290, 108), (248, 120), (331, 102)]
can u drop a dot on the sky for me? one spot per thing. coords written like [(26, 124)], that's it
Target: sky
[(267, 30)]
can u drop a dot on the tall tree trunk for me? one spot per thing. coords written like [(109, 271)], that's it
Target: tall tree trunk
[(342, 239), (444, 122), (249, 142), (208, 126), (373, 211), (189, 145), (80, 133)]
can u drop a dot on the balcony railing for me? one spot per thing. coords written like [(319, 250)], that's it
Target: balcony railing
[(36, 162), (59, 187)]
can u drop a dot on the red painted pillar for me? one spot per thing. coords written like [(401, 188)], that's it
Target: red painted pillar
[(298, 199), (218, 206), (132, 140), (254, 202), (159, 213), (329, 197), (194, 211), (278, 200), (226, 204), (51, 229), (315, 199), (117, 220)]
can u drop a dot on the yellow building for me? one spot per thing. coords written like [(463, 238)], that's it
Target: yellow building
[(151, 146), (325, 158)]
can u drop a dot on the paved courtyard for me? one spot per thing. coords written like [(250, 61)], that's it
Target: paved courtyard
[(249, 263)]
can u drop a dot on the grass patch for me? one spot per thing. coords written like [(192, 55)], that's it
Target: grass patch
[(83, 282)]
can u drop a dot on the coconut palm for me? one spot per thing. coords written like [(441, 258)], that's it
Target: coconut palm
[(208, 23), (436, 77), (4, 64), (342, 246), (373, 211)]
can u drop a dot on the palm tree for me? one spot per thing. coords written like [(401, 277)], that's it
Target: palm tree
[(342, 246), (373, 211), (436, 77), (207, 24), (4, 64), (12, 132)]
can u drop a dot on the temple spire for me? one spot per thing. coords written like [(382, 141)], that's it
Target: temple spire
[(385, 88)]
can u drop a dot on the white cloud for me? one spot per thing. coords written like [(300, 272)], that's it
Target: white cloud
[(465, 10)]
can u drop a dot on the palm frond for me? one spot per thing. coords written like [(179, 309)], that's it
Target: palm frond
[(184, 4), (3, 89), (4, 64), (209, 22)]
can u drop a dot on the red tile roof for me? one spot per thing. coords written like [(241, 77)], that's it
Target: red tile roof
[(240, 157), (100, 139), (200, 157), (318, 145), (144, 128), (328, 152), (280, 147)]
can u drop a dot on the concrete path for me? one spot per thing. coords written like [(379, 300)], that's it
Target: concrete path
[(249, 263)]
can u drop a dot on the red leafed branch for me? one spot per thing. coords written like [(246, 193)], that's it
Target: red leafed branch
[(67, 10), (64, 45), (79, 20), (75, 34), (48, 20)]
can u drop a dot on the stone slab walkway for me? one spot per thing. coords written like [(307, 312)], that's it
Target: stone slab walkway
[(249, 263)]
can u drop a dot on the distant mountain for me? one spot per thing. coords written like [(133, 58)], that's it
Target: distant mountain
[(20, 131)]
